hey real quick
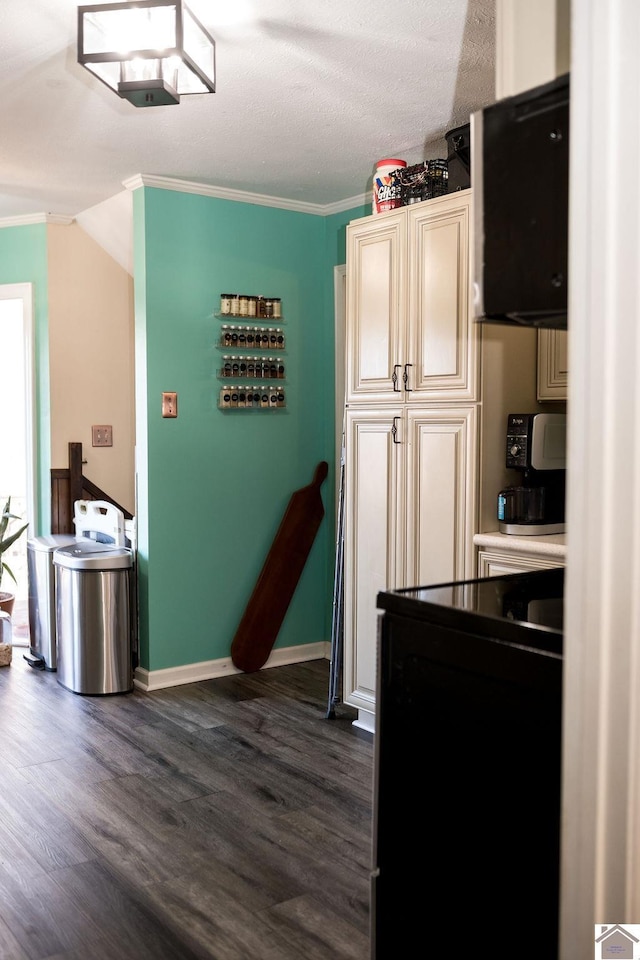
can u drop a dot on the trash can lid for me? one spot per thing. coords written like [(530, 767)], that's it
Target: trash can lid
[(92, 555), (51, 542)]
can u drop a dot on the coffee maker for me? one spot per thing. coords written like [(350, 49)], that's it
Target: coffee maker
[(536, 448)]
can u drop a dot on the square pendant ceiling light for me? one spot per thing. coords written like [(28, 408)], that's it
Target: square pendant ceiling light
[(150, 52)]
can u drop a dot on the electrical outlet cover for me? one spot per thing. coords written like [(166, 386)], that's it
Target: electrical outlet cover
[(102, 435)]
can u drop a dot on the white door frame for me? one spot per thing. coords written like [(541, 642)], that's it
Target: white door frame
[(24, 292), (340, 310), (601, 766)]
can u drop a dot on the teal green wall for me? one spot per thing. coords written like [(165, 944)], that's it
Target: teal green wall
[(213, 485), (23, 259)]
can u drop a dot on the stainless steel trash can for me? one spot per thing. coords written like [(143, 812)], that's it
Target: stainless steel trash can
[(42, 604), (94, 621)]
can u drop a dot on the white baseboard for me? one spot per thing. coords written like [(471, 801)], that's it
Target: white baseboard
[(366, 721), (211, 669)]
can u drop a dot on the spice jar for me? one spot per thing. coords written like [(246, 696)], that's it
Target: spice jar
[(253, 306), (276, 308), (243, 305), (225, 303)]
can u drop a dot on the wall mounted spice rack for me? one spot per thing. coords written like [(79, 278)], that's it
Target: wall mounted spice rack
[(245, 366)]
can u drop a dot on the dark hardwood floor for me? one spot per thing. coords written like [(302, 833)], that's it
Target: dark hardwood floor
[(223, 820)]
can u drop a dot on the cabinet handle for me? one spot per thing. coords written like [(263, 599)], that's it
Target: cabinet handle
[(394, 430), (394, 378), (405, 377)]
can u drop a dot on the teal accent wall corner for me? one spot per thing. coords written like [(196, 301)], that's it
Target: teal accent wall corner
[(213, 485)]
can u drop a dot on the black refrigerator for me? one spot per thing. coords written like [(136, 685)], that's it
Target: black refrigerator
[(466, 839)]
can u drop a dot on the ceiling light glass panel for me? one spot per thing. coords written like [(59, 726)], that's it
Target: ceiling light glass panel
[(127, 32), (156, 41)]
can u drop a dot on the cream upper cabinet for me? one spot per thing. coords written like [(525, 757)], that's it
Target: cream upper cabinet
[(552, 365), (376, 298), (442, 343), (409, 336)]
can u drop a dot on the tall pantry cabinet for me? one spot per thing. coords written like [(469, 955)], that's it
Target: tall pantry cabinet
[(413, 416)]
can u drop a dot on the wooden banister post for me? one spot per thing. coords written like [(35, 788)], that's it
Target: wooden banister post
[(75, 475)]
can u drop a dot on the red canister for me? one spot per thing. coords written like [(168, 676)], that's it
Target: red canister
[(387, 193)]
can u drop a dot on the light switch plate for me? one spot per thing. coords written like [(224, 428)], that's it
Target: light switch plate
[(169, 404), (102, 435)]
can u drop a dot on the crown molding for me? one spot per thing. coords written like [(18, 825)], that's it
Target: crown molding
[(242, 196), (188, 186), (30, 218)]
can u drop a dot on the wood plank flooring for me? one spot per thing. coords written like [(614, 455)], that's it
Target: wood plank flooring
[(223, 820)]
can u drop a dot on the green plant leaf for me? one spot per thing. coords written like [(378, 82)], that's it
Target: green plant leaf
[(8, 541), (5, 566)]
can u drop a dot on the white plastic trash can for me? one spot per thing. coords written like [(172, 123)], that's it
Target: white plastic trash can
[(42, 604), (94, 619)]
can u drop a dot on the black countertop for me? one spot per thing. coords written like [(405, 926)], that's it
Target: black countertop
[(523, 608)]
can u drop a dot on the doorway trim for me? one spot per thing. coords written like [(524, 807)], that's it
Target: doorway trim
[(340, 312), (24, 292)]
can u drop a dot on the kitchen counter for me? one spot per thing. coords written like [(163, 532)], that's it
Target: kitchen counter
[(552, 546)]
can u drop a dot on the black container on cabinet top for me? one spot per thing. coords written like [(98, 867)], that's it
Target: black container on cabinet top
[(459, 157)]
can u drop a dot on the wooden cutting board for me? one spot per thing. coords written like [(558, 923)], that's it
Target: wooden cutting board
[(278, 579)]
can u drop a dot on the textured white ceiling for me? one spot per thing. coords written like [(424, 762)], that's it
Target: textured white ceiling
[(310, 94)]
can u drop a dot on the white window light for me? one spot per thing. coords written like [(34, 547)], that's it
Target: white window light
[(150, 52)]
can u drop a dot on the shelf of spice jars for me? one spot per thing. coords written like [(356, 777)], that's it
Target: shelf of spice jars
[(243, 367), (249, 337), (258, 397), (247, 306)]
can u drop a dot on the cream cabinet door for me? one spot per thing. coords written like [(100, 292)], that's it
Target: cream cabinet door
[(499, 564), (376, 308), (374, 521), (443, 340), (552, 365), (441, 495)]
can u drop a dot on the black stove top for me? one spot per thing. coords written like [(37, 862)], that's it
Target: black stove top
[(517, 602)]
